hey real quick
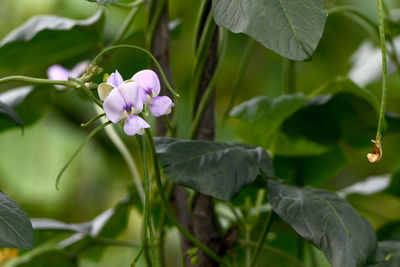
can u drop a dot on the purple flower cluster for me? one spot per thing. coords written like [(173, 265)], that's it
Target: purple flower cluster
[(124, 100)]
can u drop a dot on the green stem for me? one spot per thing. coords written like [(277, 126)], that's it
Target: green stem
[(273, 250), (95, 118), (353, 10), (90, 135), (32, 80), (169, 126), (128, 6), (147, 220), (164, 77), (248, 249), (156, 13), (127, 22), (161, 236), (244, 61), (210, 89), (384, 70), (169, 211), (264, 232), (112, 242), (87, 91), (201, 57), (289, 70)]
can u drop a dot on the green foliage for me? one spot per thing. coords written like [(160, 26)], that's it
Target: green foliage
[(6, 112), (327, 220), (213, 168), (290, 28), (29, 102), (15, 227), (44, 258), (339, 111), (45, 40)]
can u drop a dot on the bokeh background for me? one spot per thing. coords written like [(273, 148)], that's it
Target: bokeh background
[(99, 178)]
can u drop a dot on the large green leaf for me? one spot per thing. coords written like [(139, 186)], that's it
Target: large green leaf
[(45, 40), (291, 125), (291, 28), (29, 102), (45, 258), (327, 220), (15, 227), (213, 168), (261, 117), (312, 170), (10, 114), (389, 254)]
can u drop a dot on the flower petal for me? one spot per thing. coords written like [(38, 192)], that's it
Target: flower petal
[(115, 79), (130, 92), (114, 106), (104, 89), (57, 72), (135, 125), (148, 81), (161, 105)]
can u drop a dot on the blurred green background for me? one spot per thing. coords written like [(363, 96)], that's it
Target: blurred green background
[(99, 178)]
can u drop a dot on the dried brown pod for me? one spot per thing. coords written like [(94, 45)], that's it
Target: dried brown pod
[(377, 154)]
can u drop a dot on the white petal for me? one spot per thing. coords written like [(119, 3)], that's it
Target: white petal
[(114, 106), (104, 90)]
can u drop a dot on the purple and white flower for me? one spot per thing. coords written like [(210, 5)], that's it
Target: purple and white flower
[(122, 103), (149, 86), (58, 72)]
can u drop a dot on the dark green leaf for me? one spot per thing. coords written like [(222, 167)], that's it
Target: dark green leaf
[(291, 125), (45, 258), (325, 219), (388, 254), (29, 103), (213, 168), (11, 114), (261, 117), (312, 170), (291, 28), (45, 40), (15, 227)]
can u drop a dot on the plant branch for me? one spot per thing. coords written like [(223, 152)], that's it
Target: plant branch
[(107, 50), (32, 80), (169, 211)]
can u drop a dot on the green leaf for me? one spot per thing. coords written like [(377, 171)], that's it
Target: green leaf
[(291, 125), (11, 114), (261, 117), (389, 254), (325, 219), (29, 102), (44, 258), (313, 170), (213, 168), (45, 40), (15, 227), (291, 28)]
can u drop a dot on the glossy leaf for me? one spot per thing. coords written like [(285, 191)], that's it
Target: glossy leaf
[(45, 40), (15, 226), (327, 220), (213, 168), (291, 28)]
